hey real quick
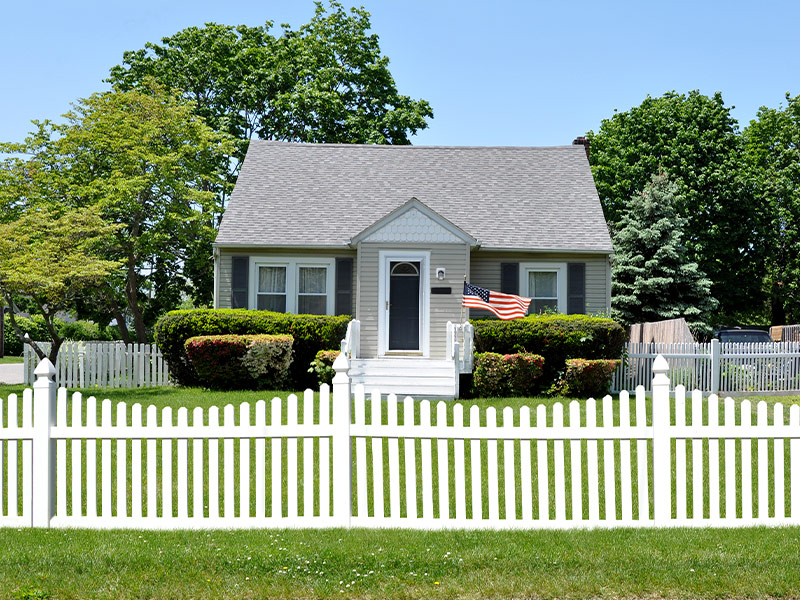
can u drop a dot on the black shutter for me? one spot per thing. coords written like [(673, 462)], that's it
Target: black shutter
[(576, 288), (240, 271), (509, 278), (344, 286)]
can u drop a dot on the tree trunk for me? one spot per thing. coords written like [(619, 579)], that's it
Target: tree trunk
[(132, 295)]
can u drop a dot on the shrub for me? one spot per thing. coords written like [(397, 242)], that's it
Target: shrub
[(555, 337), (86, 331), (322, 366), (311, 334), (497, 375), (33, 326), (240, 361), (586, 377)]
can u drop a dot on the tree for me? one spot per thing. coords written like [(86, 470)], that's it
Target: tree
[(46, 259), (652, 277), (325, 82), (142, 160), (695, 141), (772, 151)]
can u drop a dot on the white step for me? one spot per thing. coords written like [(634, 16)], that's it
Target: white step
[(404, 376)]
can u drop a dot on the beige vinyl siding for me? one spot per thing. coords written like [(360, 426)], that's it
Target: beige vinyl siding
[(485, 272), (443, 308), (225, 267)]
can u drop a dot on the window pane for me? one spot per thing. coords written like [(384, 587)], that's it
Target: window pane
[(273, 302), (311, 305), (543, 285), (272, 280), (539, 306), (312, 280)]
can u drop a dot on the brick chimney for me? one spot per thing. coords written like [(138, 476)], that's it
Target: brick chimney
[(582, 141)]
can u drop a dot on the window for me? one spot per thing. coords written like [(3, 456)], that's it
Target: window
[(546, 285), (294, 285), (272, 288)]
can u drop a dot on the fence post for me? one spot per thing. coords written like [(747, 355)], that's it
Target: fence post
[(714, 366), (44, 413), (342, 459), (662, 468)]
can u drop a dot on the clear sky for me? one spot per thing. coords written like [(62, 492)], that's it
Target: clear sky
[(496, 72)]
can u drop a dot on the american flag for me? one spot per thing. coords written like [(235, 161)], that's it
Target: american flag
[(505, 306)]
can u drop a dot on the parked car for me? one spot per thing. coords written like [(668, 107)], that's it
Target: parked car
[(744, 335)]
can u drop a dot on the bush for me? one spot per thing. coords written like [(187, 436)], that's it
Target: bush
[(498, 375), (311, 334), (555, 337), (322, 366), (87, 331), (34, 327), (586, 377), (229, 362)]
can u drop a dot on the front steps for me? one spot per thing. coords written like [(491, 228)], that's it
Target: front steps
[(405, 376)]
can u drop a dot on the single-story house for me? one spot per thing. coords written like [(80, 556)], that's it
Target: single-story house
[(389, 234)]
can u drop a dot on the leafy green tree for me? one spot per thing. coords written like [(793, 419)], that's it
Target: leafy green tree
[(324, 82), (772, 151), (143, 160), (695, 141), (652, 277), (46, 259)]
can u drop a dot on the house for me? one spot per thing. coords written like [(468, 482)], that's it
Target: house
[(389, 234)]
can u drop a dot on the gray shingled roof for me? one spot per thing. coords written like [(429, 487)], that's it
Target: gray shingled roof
[(308, 195)]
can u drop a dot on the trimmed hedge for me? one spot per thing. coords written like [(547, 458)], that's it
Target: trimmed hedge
[(232, 362), (587, 377), (555, 337), (311, 334), (36, 328), (500, 375)]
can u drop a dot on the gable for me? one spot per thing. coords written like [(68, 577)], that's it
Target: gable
[(414, 223)]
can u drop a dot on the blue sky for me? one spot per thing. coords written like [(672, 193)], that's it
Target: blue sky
[(496, 73)]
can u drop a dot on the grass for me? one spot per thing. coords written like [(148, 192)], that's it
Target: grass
[(676, 563), (625, 563), (11, 360)]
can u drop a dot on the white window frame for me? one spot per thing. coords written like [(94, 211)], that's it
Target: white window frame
[(560, 268), (292, 266)]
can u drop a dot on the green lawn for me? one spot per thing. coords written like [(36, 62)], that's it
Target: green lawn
[(679, 563), (11, 360)]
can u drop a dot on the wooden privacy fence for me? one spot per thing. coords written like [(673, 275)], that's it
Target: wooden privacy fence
[(387, 463), (733, 368), (103, 365)]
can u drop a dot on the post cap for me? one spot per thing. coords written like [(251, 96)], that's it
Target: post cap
[(45, 369), (660, 365), (341, 363)]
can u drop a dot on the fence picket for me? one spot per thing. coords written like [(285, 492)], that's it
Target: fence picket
[(437, 497)]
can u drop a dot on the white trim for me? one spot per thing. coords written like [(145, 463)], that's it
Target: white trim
[(560, 268), (292, 265), (424, 258)]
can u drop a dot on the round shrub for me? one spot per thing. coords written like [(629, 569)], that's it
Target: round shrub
[(311, 334), (322, 366), (498, 375), (586, 377), (230, 362)]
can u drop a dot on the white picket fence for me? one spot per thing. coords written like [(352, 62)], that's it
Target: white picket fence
[(732, 368), (102, 365), (380, 466)]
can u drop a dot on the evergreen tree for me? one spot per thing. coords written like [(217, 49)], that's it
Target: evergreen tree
[(653, 278)]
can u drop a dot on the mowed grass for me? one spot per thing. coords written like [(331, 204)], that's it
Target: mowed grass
[(625, 563), (11, 360)]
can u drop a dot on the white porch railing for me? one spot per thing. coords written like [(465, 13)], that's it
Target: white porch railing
[(732, 367), (461, 345), (351, 344)]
